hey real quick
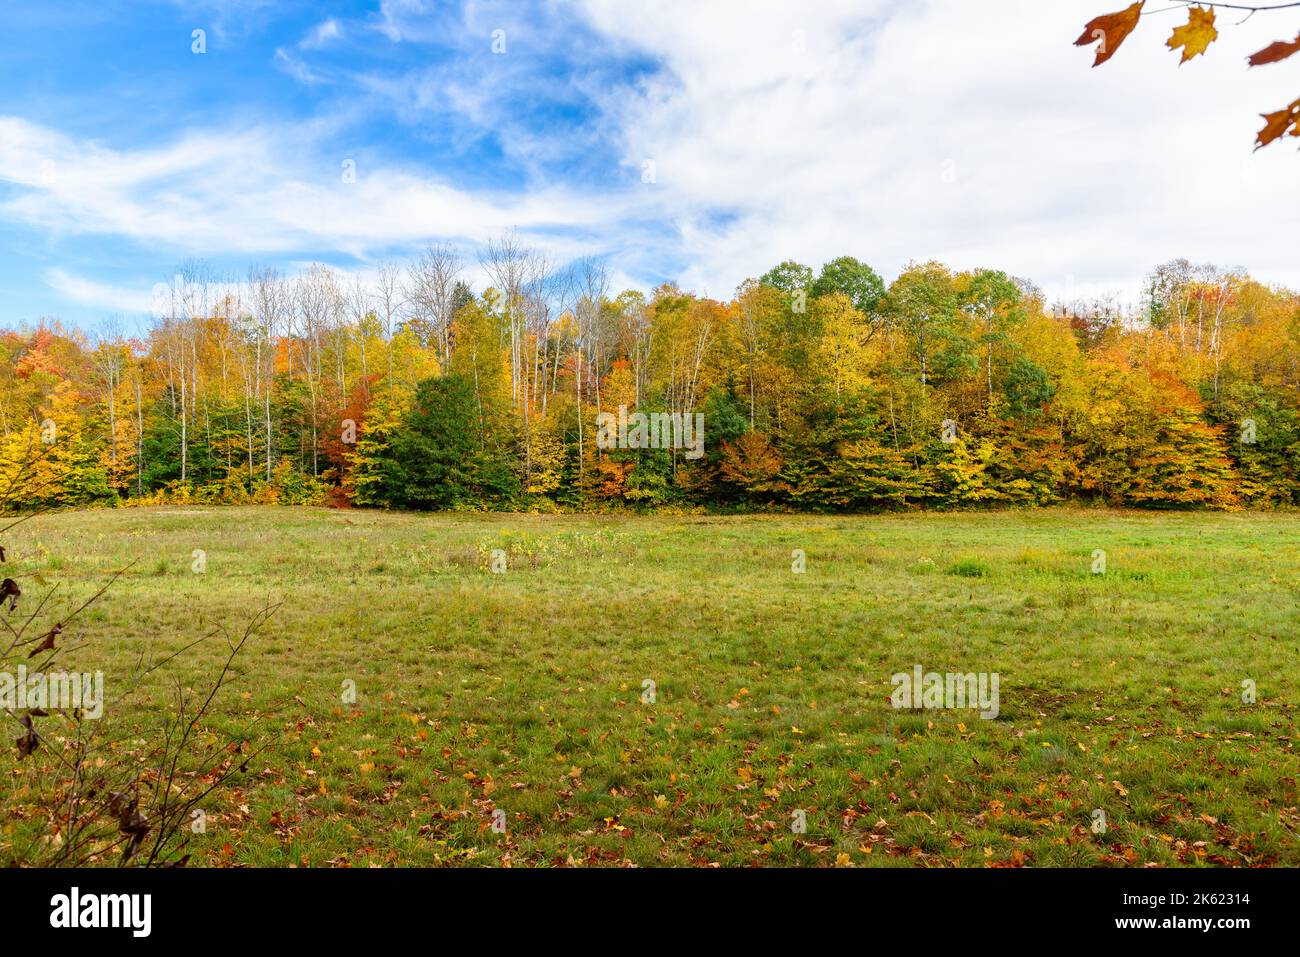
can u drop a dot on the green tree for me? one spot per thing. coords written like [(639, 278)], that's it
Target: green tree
[(922, 305), (437, 460), (367, 460), (789, 277), (993, 301), (1027, 388), (854, 279)]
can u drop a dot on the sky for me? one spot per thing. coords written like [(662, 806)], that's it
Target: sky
[(699, 141)]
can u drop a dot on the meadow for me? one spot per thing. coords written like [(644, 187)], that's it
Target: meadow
[(667, 690)]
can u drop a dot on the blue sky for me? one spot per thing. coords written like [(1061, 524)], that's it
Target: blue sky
[(934, 129), (413, 89)]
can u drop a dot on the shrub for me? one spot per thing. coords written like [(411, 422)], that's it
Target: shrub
[(969, 568)]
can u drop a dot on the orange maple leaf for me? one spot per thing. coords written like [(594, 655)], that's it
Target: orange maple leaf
[(1274, 52), (1278, 124), (1195, 35), (1109, 31)]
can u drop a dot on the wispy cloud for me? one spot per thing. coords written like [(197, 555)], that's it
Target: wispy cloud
[(937, 130), (297, 68), (322, 34), (227, 18), (97, 295), (691, 139), (250, 192)]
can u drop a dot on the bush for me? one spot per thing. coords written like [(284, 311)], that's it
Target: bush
[(969, 568)]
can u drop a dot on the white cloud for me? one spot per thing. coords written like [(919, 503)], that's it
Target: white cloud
[(297, 68), (972, 133), (413, 20), (227, 18), (98, 295), (322, 34), (251, 192)]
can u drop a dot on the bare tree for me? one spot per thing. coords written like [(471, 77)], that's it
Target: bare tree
[(269, 306), (430, 293), (592, 284), (507, 264), (361, 308), (110, 362), (389, 301), (315, 304)]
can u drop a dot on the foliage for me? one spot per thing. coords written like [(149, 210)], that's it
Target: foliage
[(1193, 38), (438, 459), (826, 391)]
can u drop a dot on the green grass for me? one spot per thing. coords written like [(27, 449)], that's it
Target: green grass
[(523, 691)]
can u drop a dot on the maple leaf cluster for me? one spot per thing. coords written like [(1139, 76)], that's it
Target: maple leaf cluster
[(1110, 30)]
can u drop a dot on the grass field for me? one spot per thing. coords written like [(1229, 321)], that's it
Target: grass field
[(523, 691)]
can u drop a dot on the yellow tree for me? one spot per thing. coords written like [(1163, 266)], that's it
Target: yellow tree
[(840, 354)]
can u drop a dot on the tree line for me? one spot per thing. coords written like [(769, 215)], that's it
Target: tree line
[(820, 389)]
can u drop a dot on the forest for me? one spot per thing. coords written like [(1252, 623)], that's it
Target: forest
[(820, 390)]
